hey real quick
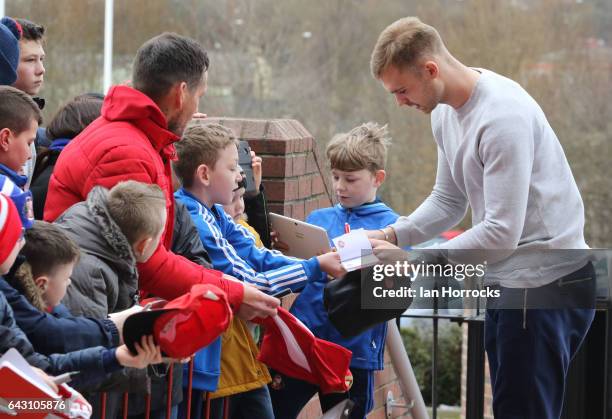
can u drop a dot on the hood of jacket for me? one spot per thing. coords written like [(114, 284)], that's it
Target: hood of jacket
[(124, 103), (376, 207), (91, 226), (20, 277)]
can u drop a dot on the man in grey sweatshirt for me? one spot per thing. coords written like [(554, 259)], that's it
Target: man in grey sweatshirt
[(498, 154)]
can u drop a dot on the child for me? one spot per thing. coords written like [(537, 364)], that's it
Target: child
[(208, 168), (47, 332), (357, 161), (115, 229), (19, 120), (31, 71), (236, 210), (92, 363), (50, 257)]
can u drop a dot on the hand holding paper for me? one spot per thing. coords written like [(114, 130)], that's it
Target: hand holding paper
[(355, 250)]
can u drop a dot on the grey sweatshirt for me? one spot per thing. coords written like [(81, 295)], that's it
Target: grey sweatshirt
[(499, 154)]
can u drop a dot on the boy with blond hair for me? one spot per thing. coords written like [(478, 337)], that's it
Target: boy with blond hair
[(357, 161), (115, 229)]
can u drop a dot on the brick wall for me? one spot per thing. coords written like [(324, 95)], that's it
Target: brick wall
[(294, 186), (293, 182)]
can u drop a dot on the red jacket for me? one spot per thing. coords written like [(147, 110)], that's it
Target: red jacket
[(131, 141)]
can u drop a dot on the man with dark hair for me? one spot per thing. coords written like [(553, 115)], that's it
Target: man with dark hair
[(134, 140)]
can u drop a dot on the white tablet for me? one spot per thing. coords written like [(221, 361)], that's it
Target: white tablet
[(304, 240)]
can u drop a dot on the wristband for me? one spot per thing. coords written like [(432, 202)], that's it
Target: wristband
[(384, 232)]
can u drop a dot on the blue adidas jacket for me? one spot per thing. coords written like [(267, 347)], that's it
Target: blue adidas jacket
[(232, 250), (368, 347)]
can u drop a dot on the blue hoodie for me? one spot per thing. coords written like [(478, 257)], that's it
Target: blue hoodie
[(368, 347)]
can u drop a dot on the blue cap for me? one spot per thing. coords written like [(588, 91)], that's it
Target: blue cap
[(10, 34)]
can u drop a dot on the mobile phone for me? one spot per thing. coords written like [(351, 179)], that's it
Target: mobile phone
[(244, 160)]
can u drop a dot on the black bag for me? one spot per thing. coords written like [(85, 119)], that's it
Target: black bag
[(342, 301)]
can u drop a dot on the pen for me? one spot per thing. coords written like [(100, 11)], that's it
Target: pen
[(347, 228), (64, 378)]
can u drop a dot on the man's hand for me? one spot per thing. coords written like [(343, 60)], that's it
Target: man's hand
[(199, 115), (256, 304), (147, 353), (257, 171), (119, 319), (387, 252), (330, 263), (375, 234)]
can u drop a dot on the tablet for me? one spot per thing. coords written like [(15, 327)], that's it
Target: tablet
[(304, 240)]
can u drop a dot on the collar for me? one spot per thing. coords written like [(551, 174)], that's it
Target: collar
[(58, 144), (19, 180), (124, 103)]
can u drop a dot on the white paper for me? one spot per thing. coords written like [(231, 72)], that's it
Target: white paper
[(355, 250)]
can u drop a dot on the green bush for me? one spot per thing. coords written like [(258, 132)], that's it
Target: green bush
[(418, 343)]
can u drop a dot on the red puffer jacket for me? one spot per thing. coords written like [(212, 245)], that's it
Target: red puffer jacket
[(131, 141)]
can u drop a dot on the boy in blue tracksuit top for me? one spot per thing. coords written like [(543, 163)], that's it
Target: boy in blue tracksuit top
[(357, 160), (208, 169), (209, 172)]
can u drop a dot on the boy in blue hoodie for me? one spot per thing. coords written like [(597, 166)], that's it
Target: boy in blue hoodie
[(357, 161), (208, 169)]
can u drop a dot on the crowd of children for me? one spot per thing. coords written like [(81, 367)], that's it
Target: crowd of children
[(115, 230)]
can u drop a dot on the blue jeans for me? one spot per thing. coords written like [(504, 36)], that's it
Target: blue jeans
[(530, 349), (289, 395)]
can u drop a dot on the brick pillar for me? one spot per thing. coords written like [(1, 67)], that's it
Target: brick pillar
[(294, 186), (293, 180)]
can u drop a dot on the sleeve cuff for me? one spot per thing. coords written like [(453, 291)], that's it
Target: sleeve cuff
[(313, 270), (403, 227), (235, 293), (111, 328)]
